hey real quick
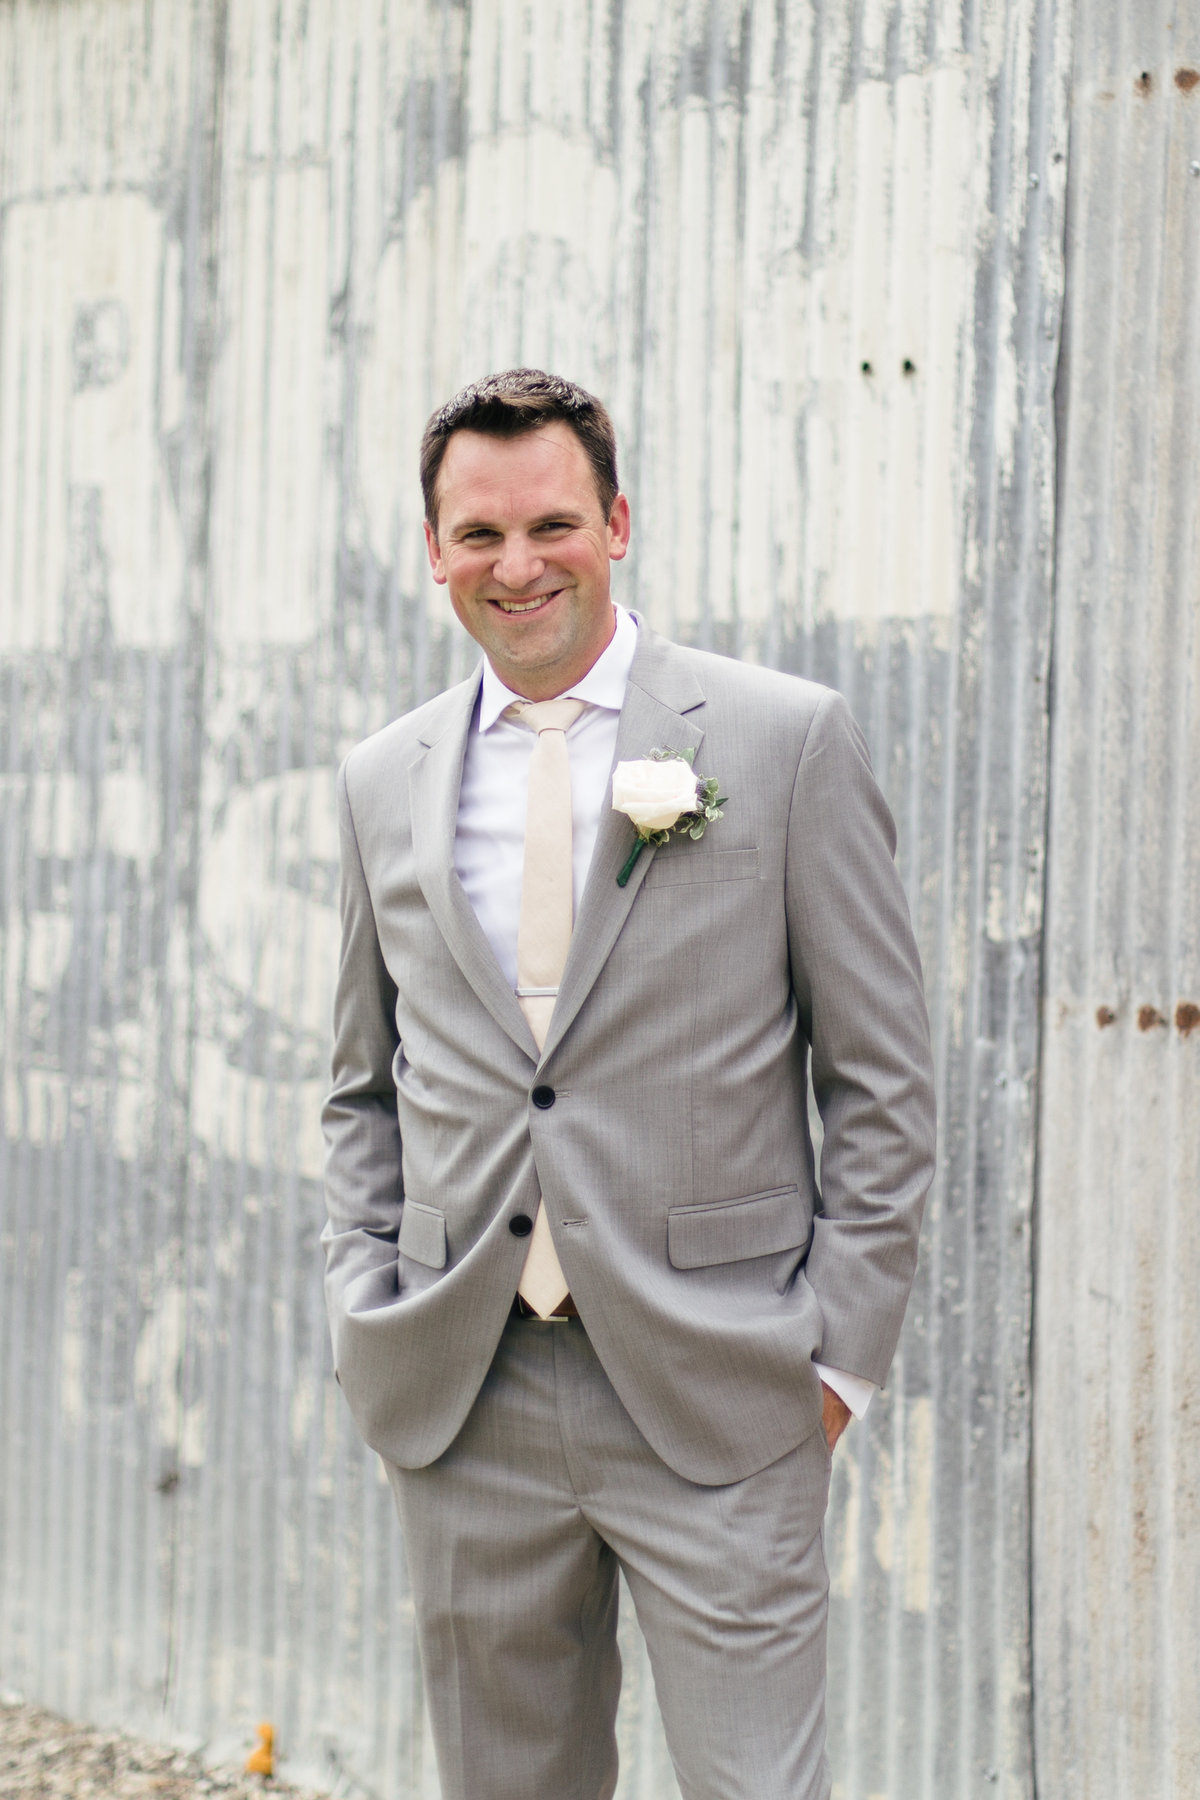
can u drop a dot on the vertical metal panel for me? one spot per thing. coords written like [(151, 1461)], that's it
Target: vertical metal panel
[(811, 253), (1117, 1544), (100, 379)]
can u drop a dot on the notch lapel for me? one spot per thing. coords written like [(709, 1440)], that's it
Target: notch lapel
[(434, 782), (663, 690)]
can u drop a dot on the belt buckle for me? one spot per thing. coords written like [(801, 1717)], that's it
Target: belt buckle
[(523, 1310)]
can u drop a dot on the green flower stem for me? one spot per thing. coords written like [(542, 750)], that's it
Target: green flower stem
[(627, 870)]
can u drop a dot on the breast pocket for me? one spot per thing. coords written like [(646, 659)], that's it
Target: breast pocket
[(423, 1234), (682, 860), (732, 1230)]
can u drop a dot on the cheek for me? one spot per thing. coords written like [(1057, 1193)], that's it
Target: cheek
[(461, 604), (586, 566), (463, 574)]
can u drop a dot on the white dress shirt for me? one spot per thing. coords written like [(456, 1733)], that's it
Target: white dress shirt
[(489, 838)]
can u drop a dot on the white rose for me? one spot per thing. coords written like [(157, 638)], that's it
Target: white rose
[(654, 794)]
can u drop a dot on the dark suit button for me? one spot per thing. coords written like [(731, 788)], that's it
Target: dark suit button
[(543, 1097), (520, 1224)]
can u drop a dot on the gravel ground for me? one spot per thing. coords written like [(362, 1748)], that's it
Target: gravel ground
[(44, 1758)]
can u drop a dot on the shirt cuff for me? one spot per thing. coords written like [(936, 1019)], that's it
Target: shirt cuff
[(855, 1390)]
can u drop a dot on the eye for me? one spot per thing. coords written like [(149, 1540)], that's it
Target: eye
[(556, 525)]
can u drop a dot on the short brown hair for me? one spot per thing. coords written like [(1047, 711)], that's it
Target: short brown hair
[(508, 405)]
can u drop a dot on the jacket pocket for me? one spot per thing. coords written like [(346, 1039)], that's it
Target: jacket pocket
[(423, 1234), (730, 1230), (684, 860)]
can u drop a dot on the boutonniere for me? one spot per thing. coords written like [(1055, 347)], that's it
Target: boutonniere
[(662, 793)]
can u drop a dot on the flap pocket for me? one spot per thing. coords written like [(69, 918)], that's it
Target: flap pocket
[(731, 1230), (684, 860), (423, 1234)]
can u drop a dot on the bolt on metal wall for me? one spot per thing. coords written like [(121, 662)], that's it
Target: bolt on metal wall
[(1117, 1543), (811, 254)]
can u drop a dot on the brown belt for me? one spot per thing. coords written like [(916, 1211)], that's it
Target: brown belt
[(567, 1309)]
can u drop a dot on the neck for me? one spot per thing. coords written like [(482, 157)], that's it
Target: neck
[(531, 685)]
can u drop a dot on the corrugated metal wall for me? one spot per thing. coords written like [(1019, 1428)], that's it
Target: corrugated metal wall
[(812, 252), (101, 672), (1117, 1547)]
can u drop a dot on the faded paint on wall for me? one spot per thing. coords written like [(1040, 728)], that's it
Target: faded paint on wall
[(89, 389)]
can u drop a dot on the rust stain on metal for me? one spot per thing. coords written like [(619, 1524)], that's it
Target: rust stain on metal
[(1144, 84), (1148, 1017), (1105, 1016), (1187, 1017), (1186, 79)]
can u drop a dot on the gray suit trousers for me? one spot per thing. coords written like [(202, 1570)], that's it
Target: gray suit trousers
[(515, 1536)]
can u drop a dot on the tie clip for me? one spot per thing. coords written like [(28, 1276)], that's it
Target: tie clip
[(532, 993)]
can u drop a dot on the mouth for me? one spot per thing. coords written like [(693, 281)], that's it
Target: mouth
[(535, 603)]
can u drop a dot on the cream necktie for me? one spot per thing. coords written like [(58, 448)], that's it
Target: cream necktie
[(544, 933)]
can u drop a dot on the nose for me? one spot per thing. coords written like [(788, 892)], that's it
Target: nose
[(518, 564)]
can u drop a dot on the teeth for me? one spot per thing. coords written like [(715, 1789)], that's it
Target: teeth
[(520, 606)]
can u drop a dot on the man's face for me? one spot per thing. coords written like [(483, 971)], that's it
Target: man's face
[(524, 548)]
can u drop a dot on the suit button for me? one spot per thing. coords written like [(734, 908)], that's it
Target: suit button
[(543, 1097), (520, 1224)]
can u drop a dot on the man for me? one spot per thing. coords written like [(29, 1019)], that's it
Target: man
[(586, 1300)]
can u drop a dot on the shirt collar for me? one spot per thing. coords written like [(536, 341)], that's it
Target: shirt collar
[(603, 685)]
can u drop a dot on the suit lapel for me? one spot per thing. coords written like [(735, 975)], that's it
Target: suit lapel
[(663, 691), (434, 782)]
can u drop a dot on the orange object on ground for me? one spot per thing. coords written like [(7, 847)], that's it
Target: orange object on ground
[(262, 1760)]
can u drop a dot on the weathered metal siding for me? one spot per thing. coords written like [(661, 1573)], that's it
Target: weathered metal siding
[(812, 254), (100, 678), (1117, 1545)]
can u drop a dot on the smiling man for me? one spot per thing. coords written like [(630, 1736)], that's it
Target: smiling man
[(522, 534), (589, 1301)]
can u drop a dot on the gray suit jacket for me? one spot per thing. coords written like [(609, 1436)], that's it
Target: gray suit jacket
[(675, 1160)]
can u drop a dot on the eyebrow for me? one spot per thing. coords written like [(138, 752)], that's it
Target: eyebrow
[(568, 515)]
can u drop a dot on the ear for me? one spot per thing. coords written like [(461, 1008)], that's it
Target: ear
[(435, 554), (619, 526)]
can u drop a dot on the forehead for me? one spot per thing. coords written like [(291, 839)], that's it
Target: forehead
[(544, 470)]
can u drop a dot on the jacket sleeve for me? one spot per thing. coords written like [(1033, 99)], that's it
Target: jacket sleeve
[(856, 976), (364, 1186)]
